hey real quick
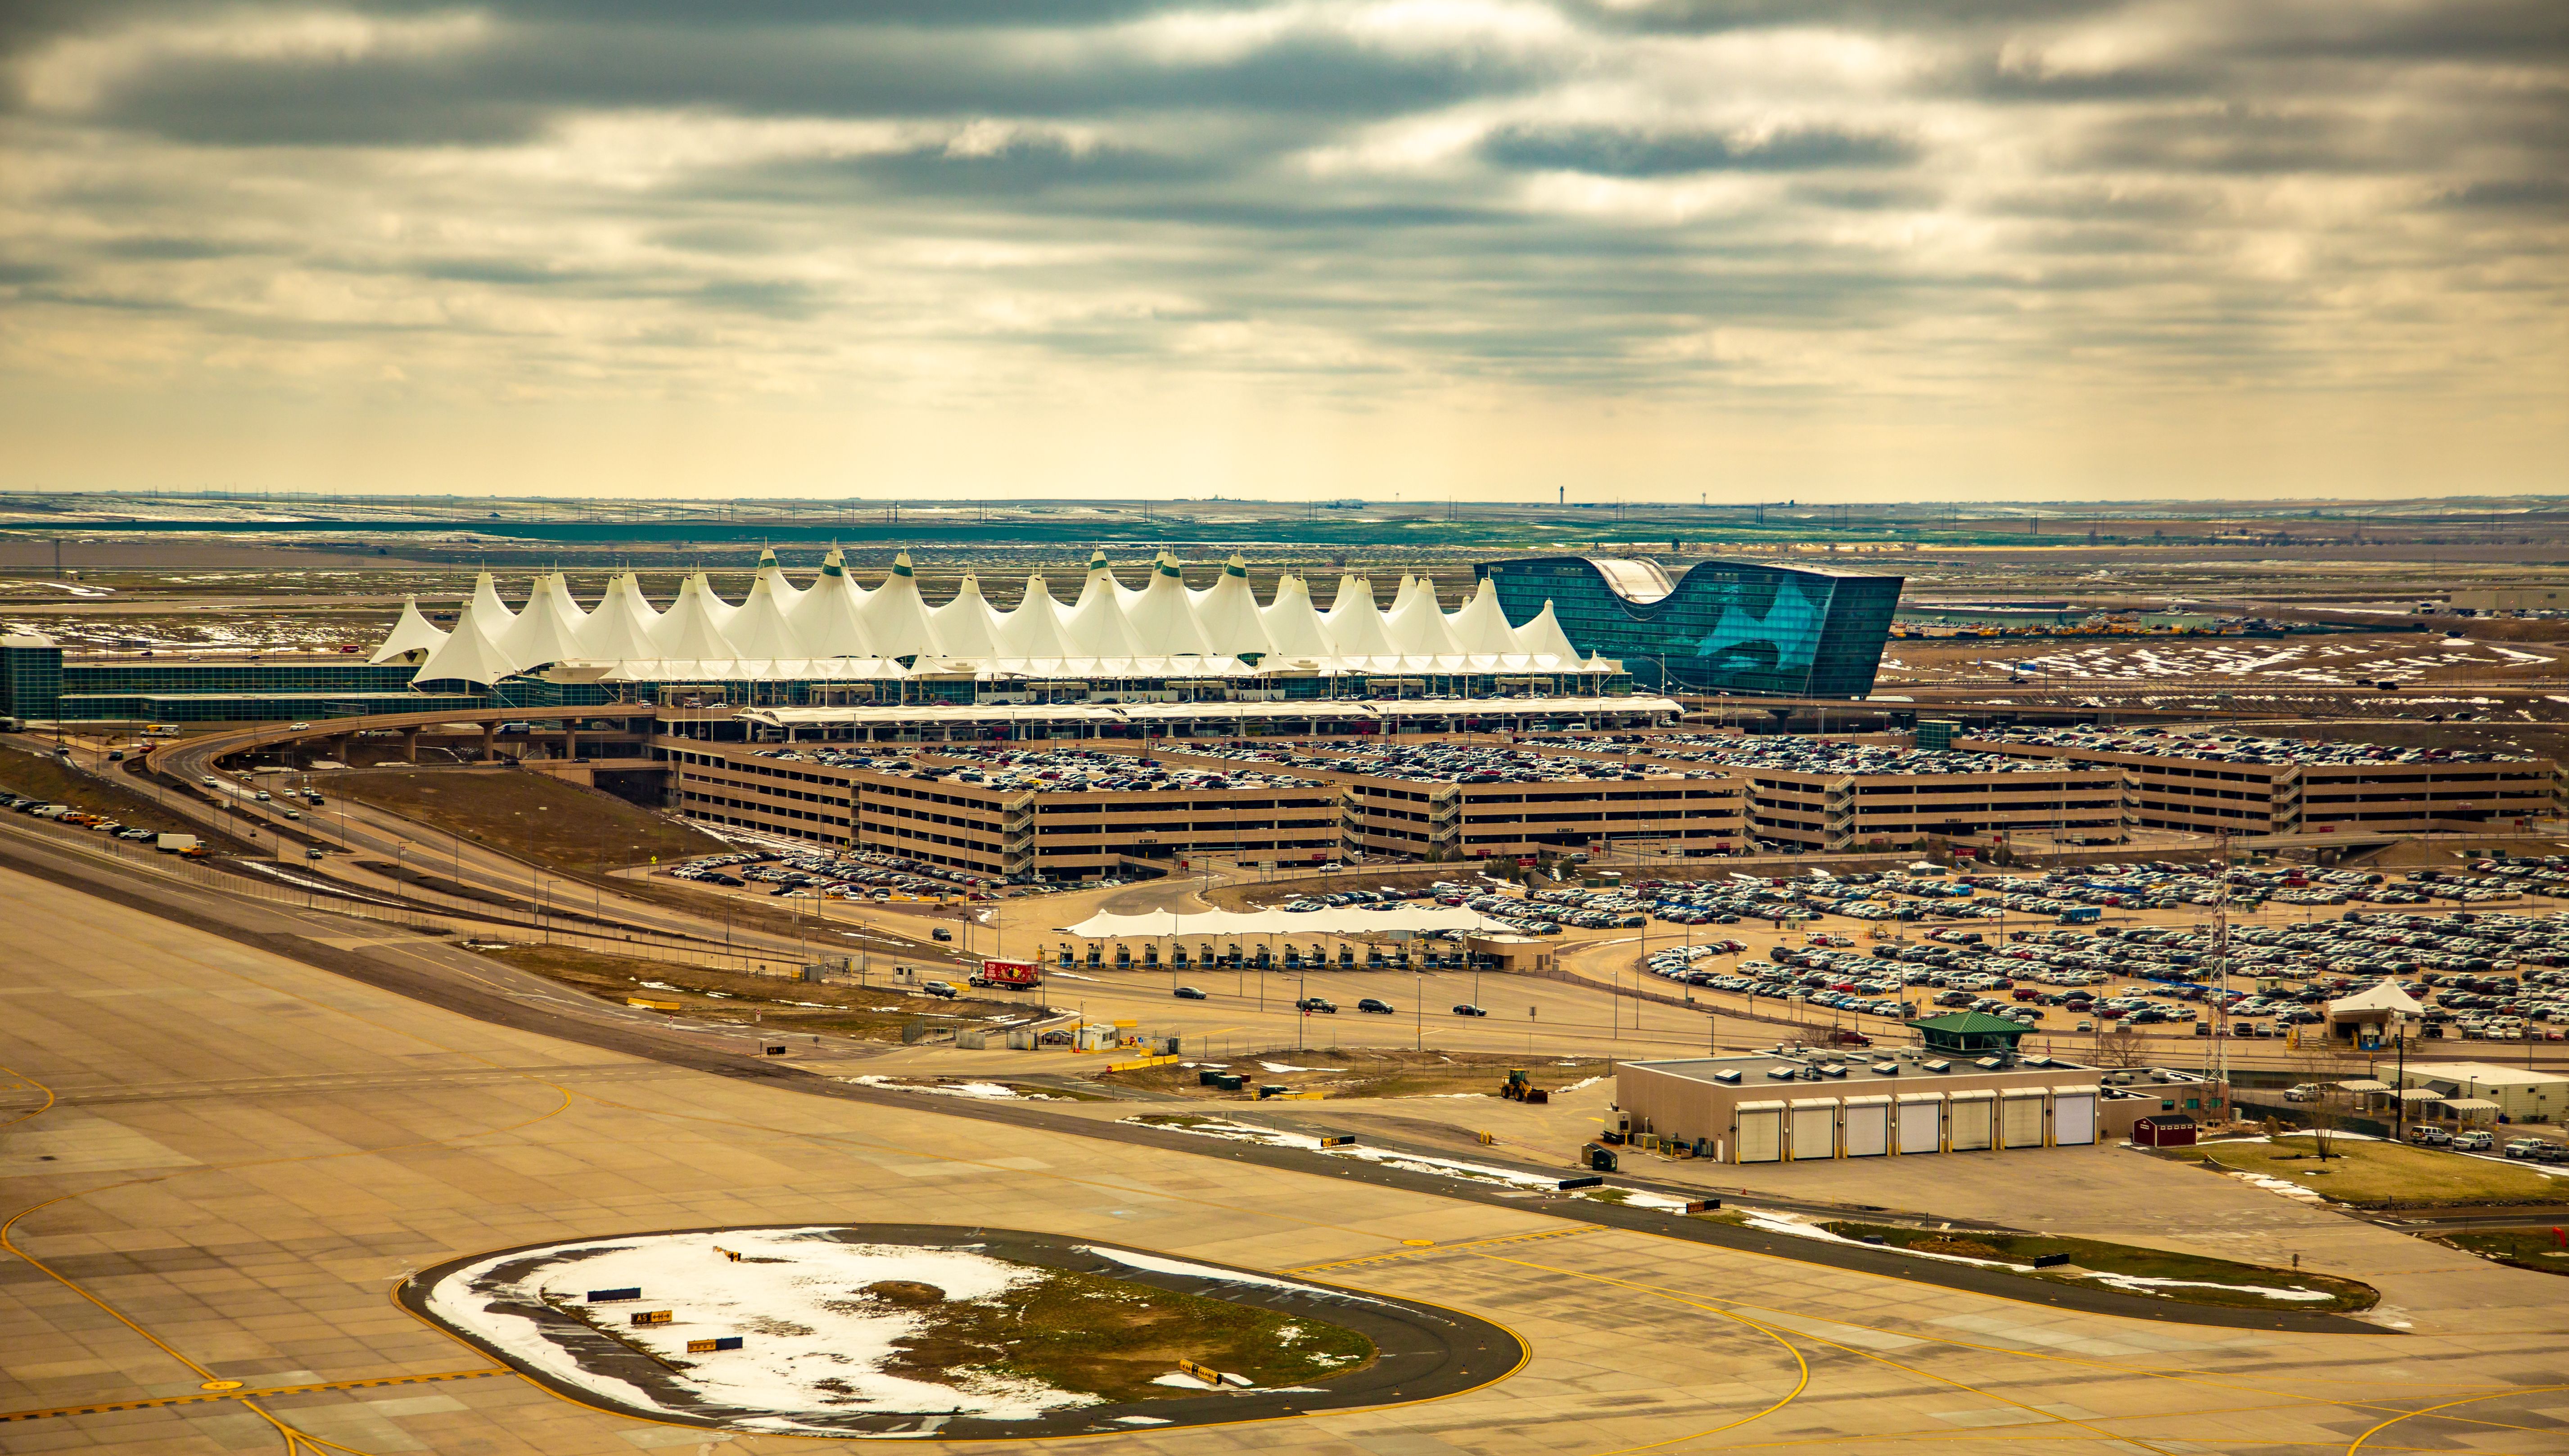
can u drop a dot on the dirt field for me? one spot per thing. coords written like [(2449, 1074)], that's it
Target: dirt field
[(561, 826), (863, 1013), (1339, 1072)]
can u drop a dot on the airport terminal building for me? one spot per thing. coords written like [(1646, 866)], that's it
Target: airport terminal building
[(1719, 626)]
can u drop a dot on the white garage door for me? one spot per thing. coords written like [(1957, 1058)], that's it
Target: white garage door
[(1922, 1126), (1969, 1122), (1815, 1132), (1762, 1134), (2021, 1120), (1867, 1130), (2073, 1119)]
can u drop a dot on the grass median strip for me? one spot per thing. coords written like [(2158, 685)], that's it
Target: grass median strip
[(2534, 1249)]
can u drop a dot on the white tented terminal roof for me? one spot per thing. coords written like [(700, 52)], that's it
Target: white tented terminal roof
[(838, 629)]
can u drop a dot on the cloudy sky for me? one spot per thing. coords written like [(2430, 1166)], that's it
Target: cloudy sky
[(1468, 249)]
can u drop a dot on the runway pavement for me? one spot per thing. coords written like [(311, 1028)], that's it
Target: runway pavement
[(233, 1156)]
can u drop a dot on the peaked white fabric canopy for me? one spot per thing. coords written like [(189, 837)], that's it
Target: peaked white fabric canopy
[(467, 655), (835, 628), (411, 633)]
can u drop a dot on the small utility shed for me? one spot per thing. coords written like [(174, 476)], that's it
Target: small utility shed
[(2164, 1130)]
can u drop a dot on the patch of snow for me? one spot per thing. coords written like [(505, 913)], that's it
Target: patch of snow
[(810, 1349), (2143, 1284), (1161, 1264), (1289, 1067), (1183, 1381), (988, 1091)]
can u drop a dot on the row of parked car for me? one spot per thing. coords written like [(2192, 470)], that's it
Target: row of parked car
[(857, 877), (66, 814)]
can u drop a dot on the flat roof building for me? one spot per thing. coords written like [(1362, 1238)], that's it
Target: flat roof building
[(1809, 1106), (2520, 1094)]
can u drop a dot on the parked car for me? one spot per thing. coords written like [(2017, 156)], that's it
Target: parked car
[(2476, 1140), (2430, 1136), (1315, 1003), (1188, 994), (2303, 1092), (1468, 1010), (1377, 1006)]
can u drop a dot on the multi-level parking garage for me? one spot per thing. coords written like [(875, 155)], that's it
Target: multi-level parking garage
[(2209, 782), (1876, 793), (1006, 811), (1475, 801)]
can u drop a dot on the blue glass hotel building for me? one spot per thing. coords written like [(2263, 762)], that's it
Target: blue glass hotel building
[(1721, 626)]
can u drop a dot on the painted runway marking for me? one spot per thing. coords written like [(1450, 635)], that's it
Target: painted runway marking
[(107, 1405)]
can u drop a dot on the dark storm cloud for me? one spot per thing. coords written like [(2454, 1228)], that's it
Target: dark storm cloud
[(1610, 152), (506, 86)]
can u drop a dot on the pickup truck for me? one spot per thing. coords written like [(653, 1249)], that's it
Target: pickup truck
[(1316, 1004)]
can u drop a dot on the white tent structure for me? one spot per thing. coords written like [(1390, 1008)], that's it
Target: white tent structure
[(1356, 922), (1094, 626), (1356, 624), (1415, 624), (836, 630), (1482, 626), (896, 616), (411, 633), (1163, 615), (689, 629), (1228, 614), (966, 625), (468, 654), (548, 631), (487, 606), (829, 619), (1294, 625), (1544, 639), (761, 627), (621, 628), (1033, 631)]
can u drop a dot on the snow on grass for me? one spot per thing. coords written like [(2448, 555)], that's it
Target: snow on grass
[(1214, 1127), (990, 1091), (1220, 1127), (1289, 1067), (1779, 1223), (1162, 1263), (812, 1344), (2144, 1285)]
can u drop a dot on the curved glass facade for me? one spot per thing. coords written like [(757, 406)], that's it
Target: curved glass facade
[(1722, 626)]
